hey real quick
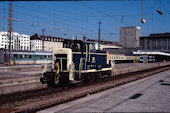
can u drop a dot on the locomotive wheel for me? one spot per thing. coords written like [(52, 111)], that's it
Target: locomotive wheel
[(97, 77)]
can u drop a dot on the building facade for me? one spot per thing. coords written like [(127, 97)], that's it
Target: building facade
[(35, 43), (51, 43), (129, 36), (47, 43), (18, 41), (155, 42)]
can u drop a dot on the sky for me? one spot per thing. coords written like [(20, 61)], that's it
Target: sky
[(76, 18)]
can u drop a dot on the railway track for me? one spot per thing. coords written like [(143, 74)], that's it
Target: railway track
[(36, 100)]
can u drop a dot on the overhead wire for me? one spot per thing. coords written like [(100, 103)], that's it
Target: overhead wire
[(62, 18), (160, 1), (76, 21), (62, 23), (100, 12), (46, 19)]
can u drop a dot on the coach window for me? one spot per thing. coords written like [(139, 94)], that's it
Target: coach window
[(49, 57), (20, 56), (41, 56), (15, 56), (30, 56), (26, 56), (33, 57)]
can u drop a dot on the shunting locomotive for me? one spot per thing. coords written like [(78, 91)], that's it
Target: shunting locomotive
[(82, 62)]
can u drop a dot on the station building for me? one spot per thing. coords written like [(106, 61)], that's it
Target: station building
[(156, 42), (155, 46)]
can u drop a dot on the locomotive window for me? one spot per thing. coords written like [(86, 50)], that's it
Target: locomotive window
[(61, 55), (62, 60), (64, 64), (45, 56)]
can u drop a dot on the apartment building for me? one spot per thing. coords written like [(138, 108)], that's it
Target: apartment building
[(50, 43), (18, 41), (36, 43)]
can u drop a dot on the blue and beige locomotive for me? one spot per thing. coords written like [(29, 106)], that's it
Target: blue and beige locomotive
[(78, 64)]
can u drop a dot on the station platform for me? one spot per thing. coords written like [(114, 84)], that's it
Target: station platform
[(20, 78), (26, 77), (149, 94), (14, 68)]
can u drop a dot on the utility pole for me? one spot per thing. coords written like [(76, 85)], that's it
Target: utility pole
[(99, 36), (43, 31), (10, 27)]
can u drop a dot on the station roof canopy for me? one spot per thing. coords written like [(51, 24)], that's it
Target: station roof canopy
[(151, 53), (158, 35)]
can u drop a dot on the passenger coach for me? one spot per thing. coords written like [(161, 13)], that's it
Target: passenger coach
[(30, 57)]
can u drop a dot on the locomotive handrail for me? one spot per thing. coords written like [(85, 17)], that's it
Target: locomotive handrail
[(80, 66), (57, 75)]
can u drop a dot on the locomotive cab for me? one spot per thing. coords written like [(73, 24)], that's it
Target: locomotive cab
[(63, 68)]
